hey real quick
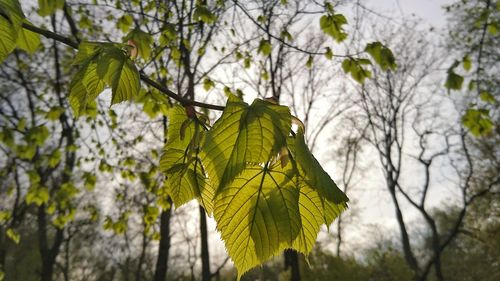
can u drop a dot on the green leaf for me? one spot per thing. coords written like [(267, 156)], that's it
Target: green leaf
[(454, 81), (13, 235), (4, 216), (124, 22), (55, 158), (120, 73), (37, 135), (85, 86), (382, 55), (355, 68), (48, 7), (265, 47), (314, 175), (329, 53), (487, 97), (22, 124), (12, 9), (142, 40), (54, 113), (90, 181), (309, 62), (28, 40), (270, 207), (492, 29), (478, 121), (208, 84), (8, 37), (181, 163), (37, 195), (332, 25), (244, 134), (202, 13), (286, 35), (258, 214), (466, 62)]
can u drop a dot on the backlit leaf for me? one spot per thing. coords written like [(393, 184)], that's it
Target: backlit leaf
[(244, 134), (114, 67), (7, 38), (258, 214), (180, 161), (332, 25)]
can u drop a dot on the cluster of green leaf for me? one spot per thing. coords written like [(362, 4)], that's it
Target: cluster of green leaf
[(12, 34), (249, 170), (475, 35), (102, 64), (263, 186)]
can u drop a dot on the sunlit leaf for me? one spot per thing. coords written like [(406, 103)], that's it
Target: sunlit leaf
[(258, 214), (8, 37), (114, 67), (244, 134), (180, 161)]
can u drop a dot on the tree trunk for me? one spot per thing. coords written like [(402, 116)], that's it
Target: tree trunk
[(48, 253), (205, 256), (339, 234), (161, 269), (292, 263), (3, 249)]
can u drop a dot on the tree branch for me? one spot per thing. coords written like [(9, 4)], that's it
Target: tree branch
[(144, 78)]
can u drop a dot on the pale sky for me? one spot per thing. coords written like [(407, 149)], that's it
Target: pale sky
[(430, 11)]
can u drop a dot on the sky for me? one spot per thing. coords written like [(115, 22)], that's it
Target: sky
[(428, 10)]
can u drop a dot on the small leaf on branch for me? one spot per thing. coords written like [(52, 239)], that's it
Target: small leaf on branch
[(382, 55), (332, 25)]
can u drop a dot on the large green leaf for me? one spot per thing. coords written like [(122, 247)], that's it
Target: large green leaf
[(258, 214), (320, 200), (313, 174), (244, 134), (181, 163), (265, 206), (269, 208)]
